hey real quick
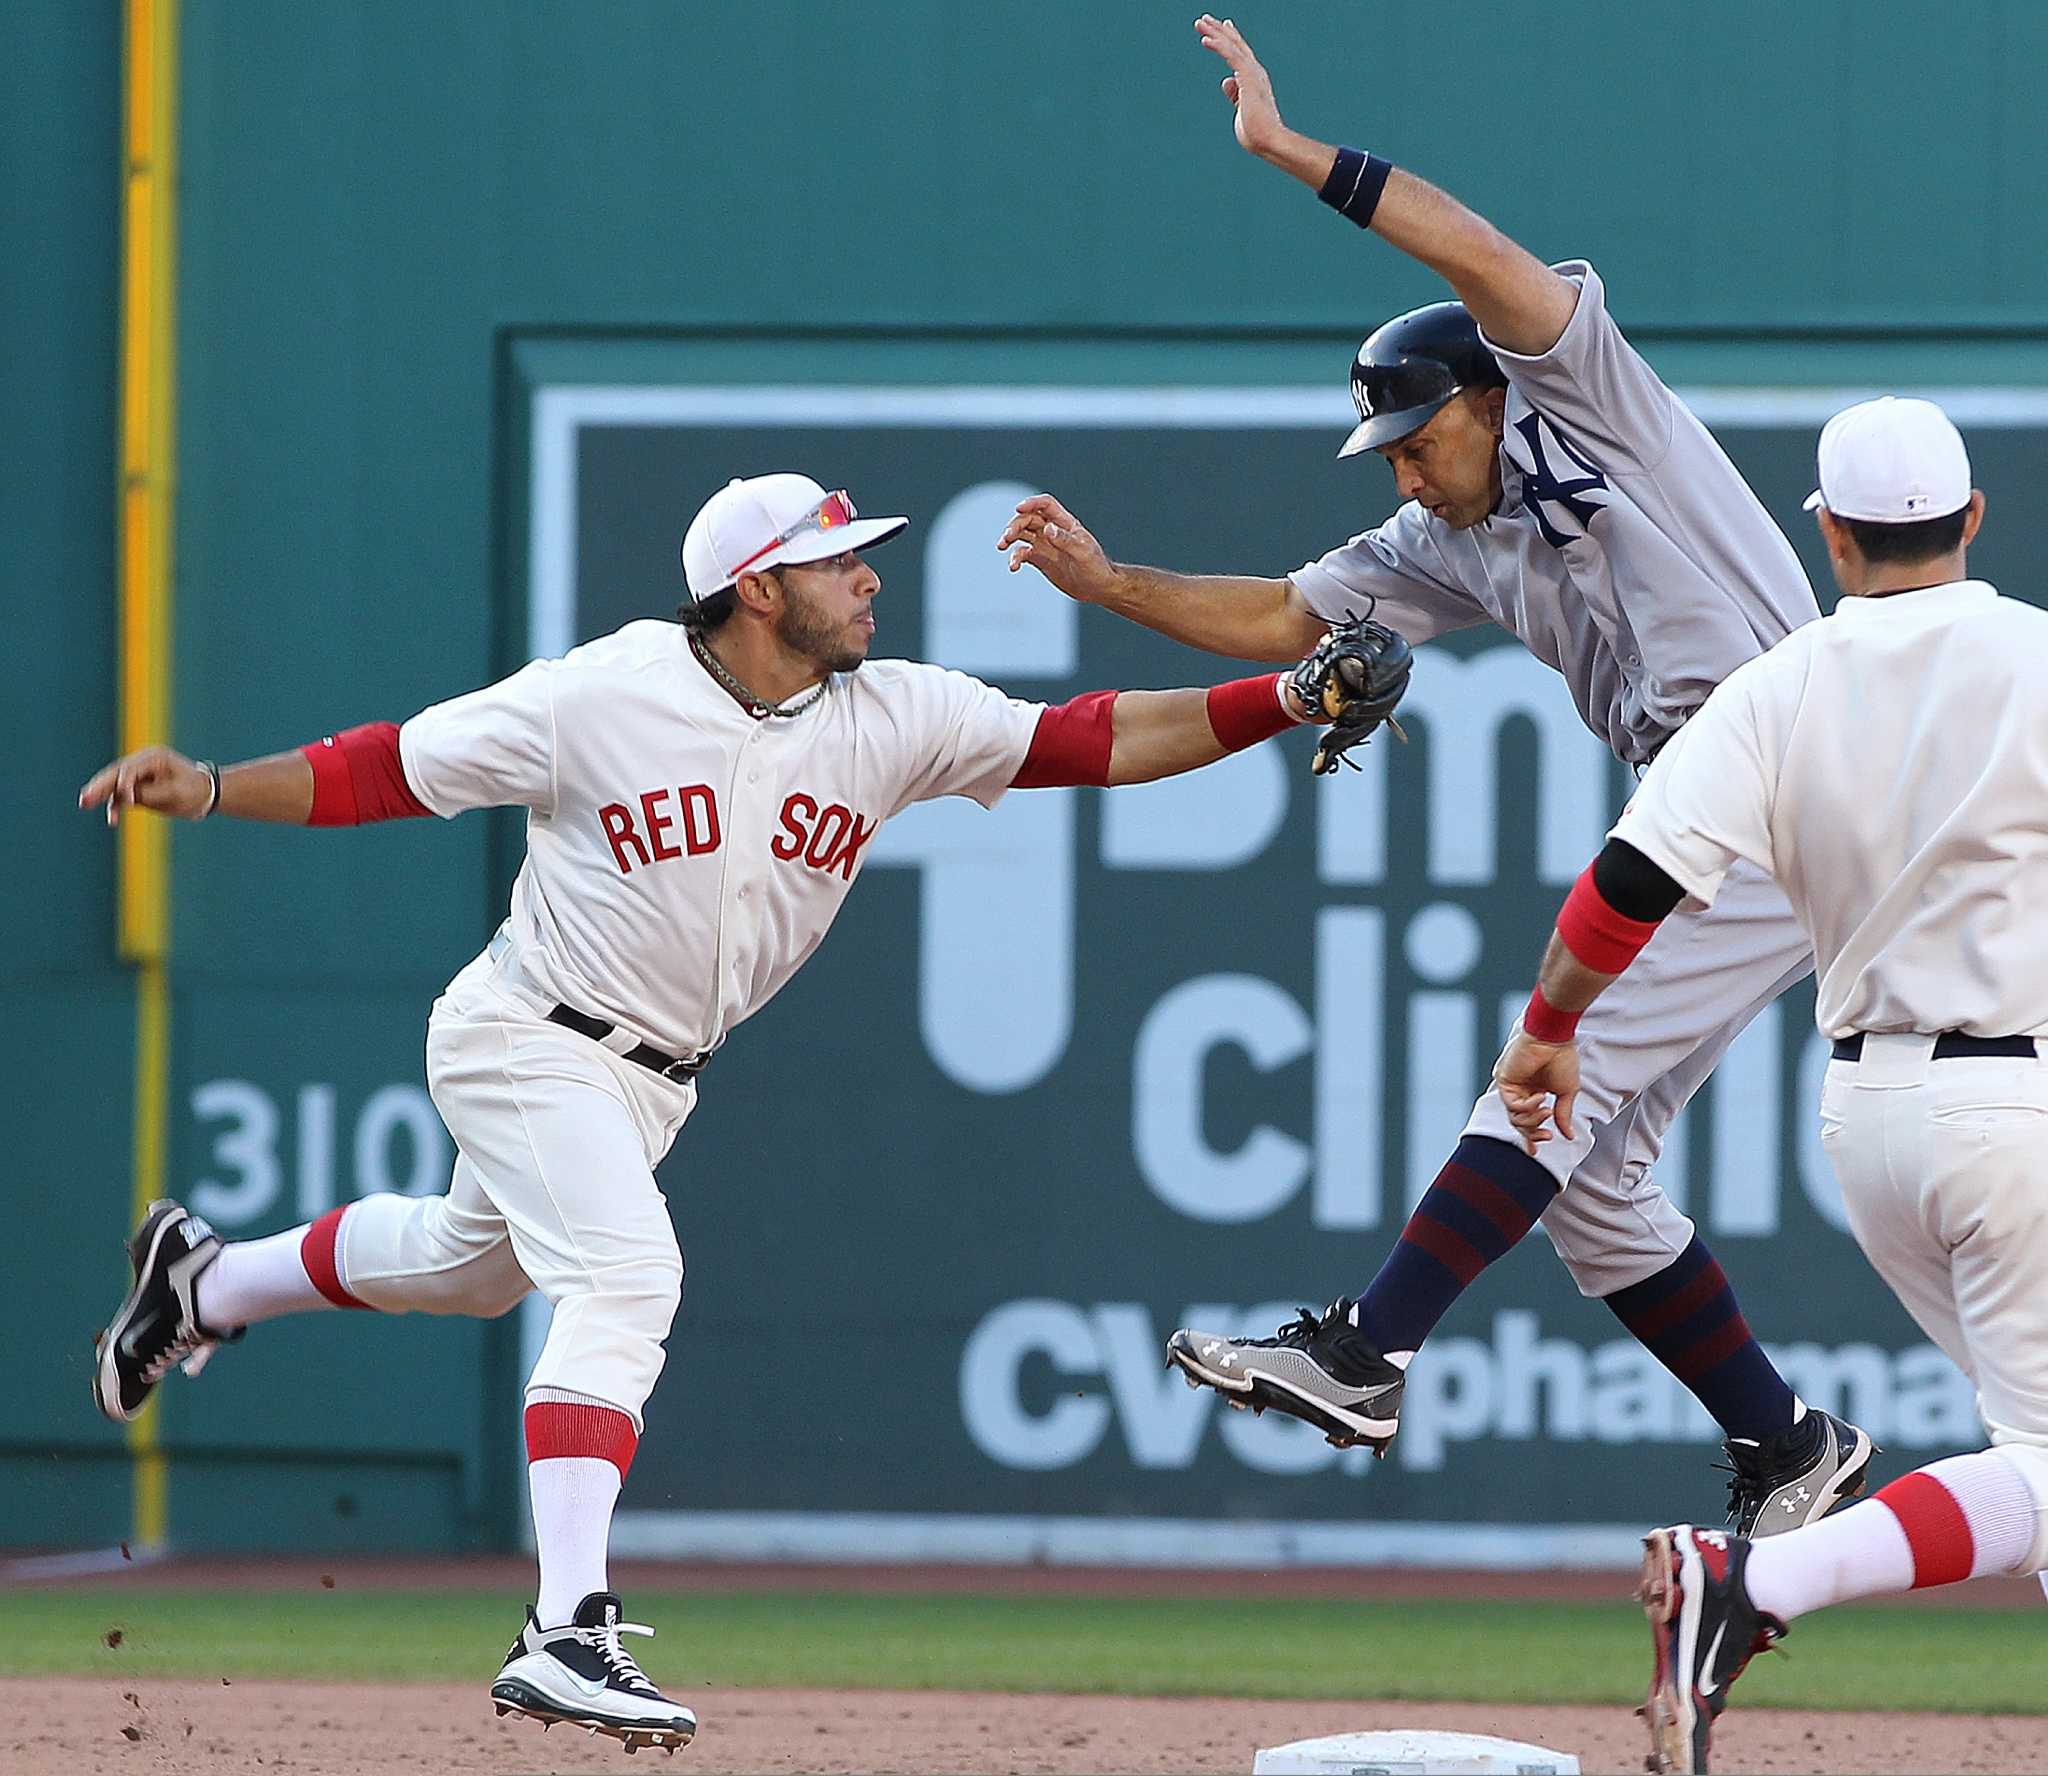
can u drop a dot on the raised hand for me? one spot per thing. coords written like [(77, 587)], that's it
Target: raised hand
[(156, 778), (1247, 86), (1045, 535)]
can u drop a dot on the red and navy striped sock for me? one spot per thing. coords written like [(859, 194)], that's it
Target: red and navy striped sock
[(1486, 1198), (1688, 1319)]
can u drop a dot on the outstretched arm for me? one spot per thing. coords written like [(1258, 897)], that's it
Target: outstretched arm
[(1353, 679), (343, 779), (1518, 301), (1238, 615), (279, 787), (1163, 733)]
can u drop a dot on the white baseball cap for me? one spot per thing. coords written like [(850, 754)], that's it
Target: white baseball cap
[(1894, 460), (768, 521)]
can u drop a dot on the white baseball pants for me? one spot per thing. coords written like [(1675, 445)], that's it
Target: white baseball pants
[(1944, 1173), (1646, 1045), (553, 1189)]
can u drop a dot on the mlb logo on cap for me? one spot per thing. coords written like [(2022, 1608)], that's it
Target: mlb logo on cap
[(772, 521), (1894, 460)]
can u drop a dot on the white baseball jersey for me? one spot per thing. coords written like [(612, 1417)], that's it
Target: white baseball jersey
[(683, 857), (1889, 766), (1627, 552)]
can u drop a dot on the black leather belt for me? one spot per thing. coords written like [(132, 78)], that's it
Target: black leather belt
[(1953, 1045), (643, 1054)]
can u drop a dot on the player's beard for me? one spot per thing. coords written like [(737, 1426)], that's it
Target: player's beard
[(806, 631)]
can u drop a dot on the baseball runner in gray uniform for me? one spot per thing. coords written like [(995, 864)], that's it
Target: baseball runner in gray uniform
[(1554, 486)]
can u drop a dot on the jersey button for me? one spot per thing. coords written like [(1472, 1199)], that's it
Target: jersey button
[(753, 776)]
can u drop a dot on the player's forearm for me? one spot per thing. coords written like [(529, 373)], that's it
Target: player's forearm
[(1113, 737), (1517, 300), (1612, 912), (1239, 616), (1160, 734), (279, 787), (1567, 984), (1163, 733), (1300, 157)]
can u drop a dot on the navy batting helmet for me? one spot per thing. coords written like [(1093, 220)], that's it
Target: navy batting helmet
[(1411, 367)]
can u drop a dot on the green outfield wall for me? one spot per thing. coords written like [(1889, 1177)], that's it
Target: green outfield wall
[(477, 302)]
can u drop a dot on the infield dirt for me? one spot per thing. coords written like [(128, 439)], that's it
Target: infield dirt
[(100, 1727)]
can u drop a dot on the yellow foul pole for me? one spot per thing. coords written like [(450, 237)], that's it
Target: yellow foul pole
[(144, 569)]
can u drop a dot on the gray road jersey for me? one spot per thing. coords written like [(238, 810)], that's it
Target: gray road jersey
[(1627, 552)]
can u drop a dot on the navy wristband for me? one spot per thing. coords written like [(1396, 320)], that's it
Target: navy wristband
[(1354, 185)]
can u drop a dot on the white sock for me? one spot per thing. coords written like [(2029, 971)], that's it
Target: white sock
[(255, 1280), (1952, 1520), (573, 1488), (573, 1496)]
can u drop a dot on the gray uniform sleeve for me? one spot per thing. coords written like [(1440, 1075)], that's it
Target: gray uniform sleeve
[(1593, 383), (1398, 573)]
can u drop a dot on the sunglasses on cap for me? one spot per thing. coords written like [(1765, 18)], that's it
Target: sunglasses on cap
[(829, 513)]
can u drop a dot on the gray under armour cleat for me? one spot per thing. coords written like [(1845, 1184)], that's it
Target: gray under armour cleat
[(1322, 1370), (1797, 1477)]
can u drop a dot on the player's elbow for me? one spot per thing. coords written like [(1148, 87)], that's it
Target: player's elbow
[(1290, 631)]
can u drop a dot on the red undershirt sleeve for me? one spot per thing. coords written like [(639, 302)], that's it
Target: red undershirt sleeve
[(358, 778), (1071, 745), (1604, 940)]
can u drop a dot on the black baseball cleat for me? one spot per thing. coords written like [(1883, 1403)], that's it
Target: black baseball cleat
[(580, 1675), (1322, 1370), (1797, 1477), (158, 1325), (1704, 1630)]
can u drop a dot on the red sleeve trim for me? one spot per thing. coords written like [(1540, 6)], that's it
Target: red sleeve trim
[(1595, 933), (559, 1428), (1546, 1023), (358, 777), (1246, 711), (1071, 745)]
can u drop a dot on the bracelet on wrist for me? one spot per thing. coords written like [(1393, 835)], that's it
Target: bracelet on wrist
[(212, 771), (1355, 183)]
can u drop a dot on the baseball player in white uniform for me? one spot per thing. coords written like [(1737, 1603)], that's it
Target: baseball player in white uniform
[(700, 797), (1555, 487), (1888, 767)]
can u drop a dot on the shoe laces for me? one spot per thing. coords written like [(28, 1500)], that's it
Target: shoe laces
[(618, 1661), (1306, 1327), (191, 1347)]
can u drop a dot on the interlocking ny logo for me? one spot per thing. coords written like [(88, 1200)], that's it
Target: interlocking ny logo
[(1543, 483)]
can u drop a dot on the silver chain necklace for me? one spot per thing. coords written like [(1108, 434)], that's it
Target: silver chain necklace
[(755, 705)]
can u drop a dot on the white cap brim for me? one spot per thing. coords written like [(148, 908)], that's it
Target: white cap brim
[(1813, 501), (822, 545)]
